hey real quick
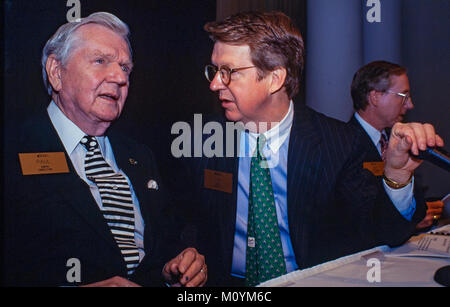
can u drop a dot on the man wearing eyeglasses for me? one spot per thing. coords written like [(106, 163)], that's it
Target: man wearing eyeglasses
[(381, 97), (295, 196)]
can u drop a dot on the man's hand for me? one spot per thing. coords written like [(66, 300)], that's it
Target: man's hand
[(399, 164), (434, 212), (116, 281), (187, 269)]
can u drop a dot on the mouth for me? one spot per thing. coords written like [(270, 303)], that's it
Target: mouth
[(109, 96), (225, 101)]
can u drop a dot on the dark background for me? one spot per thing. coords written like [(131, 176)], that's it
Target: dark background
[(171, 49)]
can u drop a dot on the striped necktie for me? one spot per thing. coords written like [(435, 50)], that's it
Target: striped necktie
[(117, 203), (265, 258)]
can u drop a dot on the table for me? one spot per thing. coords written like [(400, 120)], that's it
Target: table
[(410, 265)]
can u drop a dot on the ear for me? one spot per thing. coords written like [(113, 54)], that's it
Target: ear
[(373, 97), (278, 79), (53, 69)]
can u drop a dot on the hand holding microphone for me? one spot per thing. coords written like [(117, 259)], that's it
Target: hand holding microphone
[(405, 144)]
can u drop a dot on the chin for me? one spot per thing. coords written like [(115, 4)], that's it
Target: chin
[(108, 117), (232, 116)]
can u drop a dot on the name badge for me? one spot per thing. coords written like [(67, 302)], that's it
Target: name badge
[(220, 181), (42, 163), (377, 168)]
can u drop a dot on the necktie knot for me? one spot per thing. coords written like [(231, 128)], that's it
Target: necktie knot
[(89, 142), (383, 145), (260, 142)]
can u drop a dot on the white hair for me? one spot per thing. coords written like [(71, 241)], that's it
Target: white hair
[(61, 44)]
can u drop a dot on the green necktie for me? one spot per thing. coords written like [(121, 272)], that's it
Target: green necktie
[(265, 258)]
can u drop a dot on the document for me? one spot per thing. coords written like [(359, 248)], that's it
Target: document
[(428, 245), (432, 244)]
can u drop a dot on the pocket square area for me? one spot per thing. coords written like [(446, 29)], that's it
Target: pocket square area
[(152, 184)]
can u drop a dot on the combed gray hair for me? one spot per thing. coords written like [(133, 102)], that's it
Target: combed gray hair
[(61, 43)]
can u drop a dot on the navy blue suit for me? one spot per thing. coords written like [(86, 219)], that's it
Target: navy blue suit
[(335, 207), (52, 218)]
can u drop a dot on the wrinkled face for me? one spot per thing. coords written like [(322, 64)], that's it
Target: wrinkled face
[(245, 98), (94, 81), (391, 108)]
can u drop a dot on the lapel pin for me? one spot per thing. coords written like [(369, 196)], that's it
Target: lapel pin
[(132, 161), (151, 184)]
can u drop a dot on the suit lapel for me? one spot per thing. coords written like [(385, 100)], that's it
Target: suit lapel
[(303, 169), (71, 187), (226, 201), (134, 162), (232, 165), (371, 151), (130, 162)]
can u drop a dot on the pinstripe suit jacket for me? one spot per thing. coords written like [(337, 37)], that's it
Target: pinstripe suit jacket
[(50, 219), (335, 207)]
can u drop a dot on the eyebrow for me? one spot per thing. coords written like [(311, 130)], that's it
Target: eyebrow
[(97, 52)]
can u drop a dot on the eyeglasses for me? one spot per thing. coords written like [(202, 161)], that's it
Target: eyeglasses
[(224, 71), (406, 97)]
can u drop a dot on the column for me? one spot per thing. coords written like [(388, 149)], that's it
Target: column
[(383, 38), (334, 51)]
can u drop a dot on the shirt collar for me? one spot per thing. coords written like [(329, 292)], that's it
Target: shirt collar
[(276, 135), (373, 133), (69, 133)]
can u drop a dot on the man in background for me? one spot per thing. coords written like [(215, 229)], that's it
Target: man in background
[(381, 97)]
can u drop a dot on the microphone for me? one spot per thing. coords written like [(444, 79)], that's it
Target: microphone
[(438, 157)]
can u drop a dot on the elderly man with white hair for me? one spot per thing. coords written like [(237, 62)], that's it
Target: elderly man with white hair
[(85, 204)]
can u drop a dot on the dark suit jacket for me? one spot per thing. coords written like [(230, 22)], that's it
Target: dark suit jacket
[(50, 219), (335, 207), (371, 151)]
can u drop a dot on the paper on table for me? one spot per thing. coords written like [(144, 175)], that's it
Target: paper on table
[(425, 245)]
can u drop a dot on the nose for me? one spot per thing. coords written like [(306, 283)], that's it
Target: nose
[(116, 74), (216, 84), (409, 104)]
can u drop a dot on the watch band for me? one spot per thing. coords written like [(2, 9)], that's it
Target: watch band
[(395, 185)]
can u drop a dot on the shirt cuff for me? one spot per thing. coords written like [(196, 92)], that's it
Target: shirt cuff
[(403, 199)]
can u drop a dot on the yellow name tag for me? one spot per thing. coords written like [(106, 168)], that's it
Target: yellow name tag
[(41, 163), (220, 181), (377, 168)]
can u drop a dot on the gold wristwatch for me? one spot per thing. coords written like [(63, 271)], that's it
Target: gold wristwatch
[(395, 185)]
